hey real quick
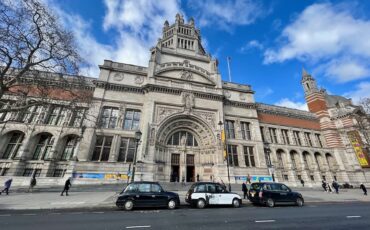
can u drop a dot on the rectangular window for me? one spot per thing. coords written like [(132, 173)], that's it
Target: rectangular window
[(308, 139), (297, 139), (230, 131), (246, 132), (189, 159), (77, 117), (286, 178), (109, 118), (127, 150), (273, 136), (27, 172), (175, 159), (233, 155), (249, 156), (318, 138), (263, 134), (32, 114), (4, 172), (59, 172), (132, 119), (102, 148), (285, 135), (37, 172), (56, 116)]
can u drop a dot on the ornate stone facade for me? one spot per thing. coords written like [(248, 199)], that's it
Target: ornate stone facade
[(182, 106)]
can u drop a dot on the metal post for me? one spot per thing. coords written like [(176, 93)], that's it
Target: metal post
[(228, 67), (137, 139)]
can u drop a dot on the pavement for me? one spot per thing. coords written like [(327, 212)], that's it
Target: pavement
[(103, 197)]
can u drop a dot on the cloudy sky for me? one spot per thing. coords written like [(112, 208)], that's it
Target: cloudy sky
[(269, 41)]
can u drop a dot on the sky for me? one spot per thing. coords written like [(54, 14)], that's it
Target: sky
[(269, 42)]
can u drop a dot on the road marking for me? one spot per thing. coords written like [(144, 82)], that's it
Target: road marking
[(144, 226), (264, 221), (98, 212), (55, 213), (29, 214), (353, 216), (5, 215), (76, 213)]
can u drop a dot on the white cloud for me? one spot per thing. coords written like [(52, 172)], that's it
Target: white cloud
[(135, 24), (362, 91), (228, 13), (323, 32), (286, 102), (253, 44)]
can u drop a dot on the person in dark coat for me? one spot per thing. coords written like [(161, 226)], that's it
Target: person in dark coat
[(362, 186), (324, 185), (67, 185), (245, 190), (197, 177), (32, 184), (335, 186), (7, 185), (302, 182)]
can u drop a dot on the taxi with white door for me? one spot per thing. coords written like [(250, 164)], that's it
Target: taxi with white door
[(202, 194)]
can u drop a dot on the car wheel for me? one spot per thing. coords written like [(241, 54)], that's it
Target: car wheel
[(236, 203), (270, 202), (129, 205), (201, 203), (299, 202), (171, 204)]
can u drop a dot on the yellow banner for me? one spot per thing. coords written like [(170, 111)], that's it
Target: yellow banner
[(223, 139), (356, 142), (116, 176)]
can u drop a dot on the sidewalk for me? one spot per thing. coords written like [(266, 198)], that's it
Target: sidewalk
[(100, 198)]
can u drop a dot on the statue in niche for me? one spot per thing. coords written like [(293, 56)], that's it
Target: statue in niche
[(183, 140), (188, 100)]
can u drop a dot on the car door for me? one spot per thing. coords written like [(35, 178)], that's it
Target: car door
[(159, 197), (144, 196), (291, 197), (224, 197), (211, 195), (281, 193)]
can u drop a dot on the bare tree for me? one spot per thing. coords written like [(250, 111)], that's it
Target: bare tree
[(38, 57)]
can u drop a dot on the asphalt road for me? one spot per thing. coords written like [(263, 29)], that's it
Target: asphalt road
[(346, 215)]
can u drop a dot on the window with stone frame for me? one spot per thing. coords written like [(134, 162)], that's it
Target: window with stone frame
[(297, 138), (273, 135), (132, 119), (263, 134), (280, 159), (127, 149), (5, 116), (70, 148), (305, 160), (246, 132), (43, 147), (102, 148), (186, 136), (249, 156), (318, 139), (292, 158), (32, 114), (56, 115), (109, 117), (308, 139), (59, 172), (77, 117), (28, 172), (14, 144), (230, 130), (232, 155), (285, 136)]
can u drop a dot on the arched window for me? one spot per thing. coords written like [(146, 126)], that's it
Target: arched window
[(69, 148), (318, 160), (13, 146), (182, 138), (43, 147)]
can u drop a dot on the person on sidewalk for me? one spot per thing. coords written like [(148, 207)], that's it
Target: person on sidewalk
[(302, 182), (183, 181), (32, 183), (335, 186), (329, 187), (245, 190), (362, 186), (67, 185), (197, 177), (324, 185), (7, 185)]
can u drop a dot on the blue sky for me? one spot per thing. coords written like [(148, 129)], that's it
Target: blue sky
[(269, 41)]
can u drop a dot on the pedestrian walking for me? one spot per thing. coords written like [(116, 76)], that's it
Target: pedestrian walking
[(249, 178), (7, 185), (197, 177), (32, 183), (335, 186), (302, 182), (67, 185), (183, 181), (211, 178), (245, 190), (362, 186), (329, 188), (324, 185)]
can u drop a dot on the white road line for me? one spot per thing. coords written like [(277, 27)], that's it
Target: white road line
[(76, 213), (144, 226), (98, 212), (353, 216), (5, 215), (264, 221)]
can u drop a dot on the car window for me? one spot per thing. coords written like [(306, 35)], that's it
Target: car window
[(267, 187), (144, 187), (211, 188), (200, 188), (131, 188), (219, 189), (276, 187), (255, 186), (285, 188), (156, 188)]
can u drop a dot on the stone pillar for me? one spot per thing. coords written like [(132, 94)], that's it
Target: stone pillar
[(86, 145), (114, 151)]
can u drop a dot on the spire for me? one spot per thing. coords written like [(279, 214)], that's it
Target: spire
[(308, 83), (306, 76)]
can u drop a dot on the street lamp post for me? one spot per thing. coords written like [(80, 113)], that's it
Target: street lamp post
[(227, 156), (137, 140), (270, 166)]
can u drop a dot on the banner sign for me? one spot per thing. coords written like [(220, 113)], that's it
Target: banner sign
[(256, 178), (106, 176), (357, 145)]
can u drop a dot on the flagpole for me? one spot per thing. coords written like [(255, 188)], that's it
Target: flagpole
[(228, 67)]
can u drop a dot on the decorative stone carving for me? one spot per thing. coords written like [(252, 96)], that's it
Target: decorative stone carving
[(152, 136), (118, 77), (208, 117), (163, 112), (139, 80), (227, 94), (242, 96), (186, 75), (188, 101)]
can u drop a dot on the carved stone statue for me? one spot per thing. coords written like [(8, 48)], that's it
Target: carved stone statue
[(188, 100), (183, 140), (186, 75)]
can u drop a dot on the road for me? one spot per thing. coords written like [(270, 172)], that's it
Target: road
[(347, 215)]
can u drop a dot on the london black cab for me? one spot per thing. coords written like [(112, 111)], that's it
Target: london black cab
[(202, 194), (272, 193), (146, 194)]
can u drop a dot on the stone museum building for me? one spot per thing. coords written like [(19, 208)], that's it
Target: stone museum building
[(192, 124)]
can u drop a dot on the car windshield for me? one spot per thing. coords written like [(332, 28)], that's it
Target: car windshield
[(131, 188)]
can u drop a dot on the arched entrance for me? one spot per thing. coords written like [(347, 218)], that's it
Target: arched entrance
[(188, 148)]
